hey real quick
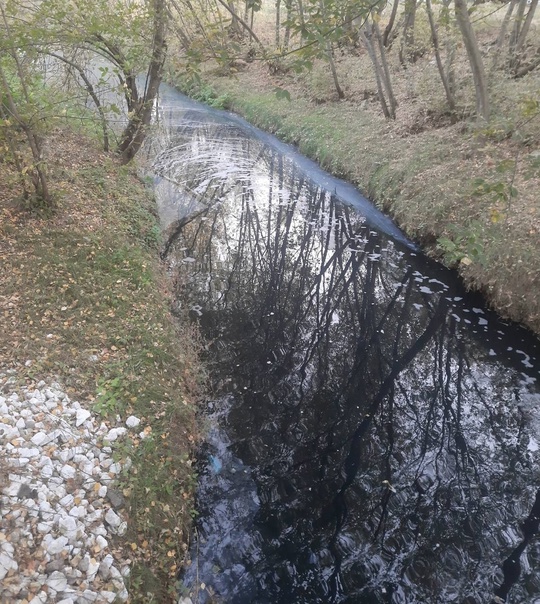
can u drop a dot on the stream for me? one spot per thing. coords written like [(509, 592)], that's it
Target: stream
[(373, 429)]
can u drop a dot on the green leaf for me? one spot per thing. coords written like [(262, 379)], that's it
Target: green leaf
[(281, 93)]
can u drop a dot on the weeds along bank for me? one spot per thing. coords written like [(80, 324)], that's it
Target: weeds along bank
[(85, 303), (467, 190)]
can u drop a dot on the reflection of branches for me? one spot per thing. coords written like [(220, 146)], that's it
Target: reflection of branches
[(354, 382)]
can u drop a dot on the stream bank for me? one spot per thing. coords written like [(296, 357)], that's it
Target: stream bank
[(419, 170), (85, 305)]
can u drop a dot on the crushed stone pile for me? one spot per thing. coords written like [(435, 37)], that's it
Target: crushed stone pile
[(59, 510)]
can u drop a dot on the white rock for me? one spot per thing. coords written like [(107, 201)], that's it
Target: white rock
[(113, 519), (123, 595), (57, 545), (8, 432), (8, 548), (30, 453), (93, 567), (115, 433), (132, 421), (68, 472), (68, 527), (94, 516), (41, 598), (7, 563), (121, 530), (57, 581), (47, 471), (44, 527), (77, 511), (81, 416), (102, 542)]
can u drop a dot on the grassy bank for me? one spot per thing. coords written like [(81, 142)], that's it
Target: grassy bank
[(446, 181), (85, 301)]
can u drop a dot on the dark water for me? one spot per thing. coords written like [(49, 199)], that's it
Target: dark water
[(374, 431)]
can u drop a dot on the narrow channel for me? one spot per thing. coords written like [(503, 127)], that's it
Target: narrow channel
[(373, 429)]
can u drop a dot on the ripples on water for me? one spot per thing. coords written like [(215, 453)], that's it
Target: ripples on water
[(375, 430)]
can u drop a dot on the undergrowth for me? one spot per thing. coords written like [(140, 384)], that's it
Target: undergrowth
[(85, 301)]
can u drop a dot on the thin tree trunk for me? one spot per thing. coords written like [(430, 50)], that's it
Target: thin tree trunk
[(278, 23), (475, 59), (287, 36), (90, 89), (390, 25), (518, 21), (135, 132), (238, 20), (376, 67), (435, 40), (520, 43), (235, 23), (330, 57), (301, 13), (38, 174), (386, 79), (407, 53), (15, 154), (502, 35)]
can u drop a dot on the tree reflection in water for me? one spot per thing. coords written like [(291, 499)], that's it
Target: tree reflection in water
[(375, 429)]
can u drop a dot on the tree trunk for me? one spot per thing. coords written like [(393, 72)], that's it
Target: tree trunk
[(37, 173), (387, 82), (278, 23), (330, 56), (90, 90), (301, 13), (366, 37), (287, 36), (15, 154), (407, 53), (435, 40), (522, 36), (475, 59), (502, 34), (240, 22), (135, 132), (518, 22), (390, 25)]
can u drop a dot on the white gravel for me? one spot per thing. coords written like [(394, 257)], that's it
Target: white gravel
[(59, 511)]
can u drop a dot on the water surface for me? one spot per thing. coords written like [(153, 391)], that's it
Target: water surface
[(374, 429)]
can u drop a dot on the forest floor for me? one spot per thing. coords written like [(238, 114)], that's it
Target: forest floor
[(84, 301), (445, 178)]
